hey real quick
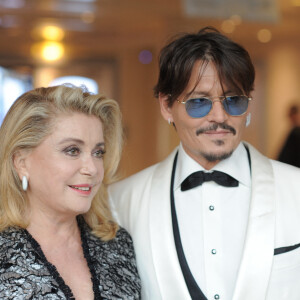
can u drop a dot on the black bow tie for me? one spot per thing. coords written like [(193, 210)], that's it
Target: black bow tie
[(199, 177)]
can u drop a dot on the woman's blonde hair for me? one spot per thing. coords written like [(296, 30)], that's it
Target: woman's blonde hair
[(27, 123)]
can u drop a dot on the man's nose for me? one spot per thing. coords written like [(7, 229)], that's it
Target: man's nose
[(217, 113)]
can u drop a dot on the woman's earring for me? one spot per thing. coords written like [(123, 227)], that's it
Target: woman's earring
[(169, 121), (248, 119), (24, 183)]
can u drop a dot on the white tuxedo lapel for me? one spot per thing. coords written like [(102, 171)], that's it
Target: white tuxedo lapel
[(256, 264), (165, 260)]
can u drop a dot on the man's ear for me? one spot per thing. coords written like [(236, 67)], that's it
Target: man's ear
[(165, 110), (19, 160)]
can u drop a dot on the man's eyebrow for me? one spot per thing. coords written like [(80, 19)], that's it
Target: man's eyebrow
[(197, 93), (207, 94)]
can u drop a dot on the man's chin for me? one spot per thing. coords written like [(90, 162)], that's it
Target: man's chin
[(214, 157)]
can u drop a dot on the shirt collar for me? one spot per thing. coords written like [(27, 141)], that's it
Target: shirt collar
[(237, 166)]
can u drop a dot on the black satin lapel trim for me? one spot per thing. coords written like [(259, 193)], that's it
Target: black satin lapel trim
[(249, 157), (194, 290), (282, 250)]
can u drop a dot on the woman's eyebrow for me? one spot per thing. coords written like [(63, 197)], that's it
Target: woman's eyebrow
[(78, 141), (100, 144), (70, 139)]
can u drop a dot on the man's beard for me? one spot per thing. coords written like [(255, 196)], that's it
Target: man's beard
[(211, 157)]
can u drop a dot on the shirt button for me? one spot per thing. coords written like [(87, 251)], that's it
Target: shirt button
[(211, 207), (214, 251), (217, 296)]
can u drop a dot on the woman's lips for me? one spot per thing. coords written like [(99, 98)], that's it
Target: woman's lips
[(83, 189)]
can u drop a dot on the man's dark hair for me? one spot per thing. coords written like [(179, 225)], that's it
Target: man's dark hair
[(294, 110), (177, 59)]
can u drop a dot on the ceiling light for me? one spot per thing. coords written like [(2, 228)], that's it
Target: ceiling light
[(264, 35), (236, 19), (228, 26), (48, 50), (52, 33)]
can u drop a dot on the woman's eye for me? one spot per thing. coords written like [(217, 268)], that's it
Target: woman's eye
[(72, 151), (99, 153)]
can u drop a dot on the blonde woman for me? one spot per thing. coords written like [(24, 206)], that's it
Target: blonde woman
[(60, 148)]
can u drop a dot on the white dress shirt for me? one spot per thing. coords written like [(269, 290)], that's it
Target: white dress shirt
[(212, 222)]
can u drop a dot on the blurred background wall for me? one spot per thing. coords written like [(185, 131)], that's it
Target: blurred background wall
[(116, 43)]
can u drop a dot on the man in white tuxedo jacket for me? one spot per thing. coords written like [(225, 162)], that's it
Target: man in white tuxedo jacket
[(216, 219)]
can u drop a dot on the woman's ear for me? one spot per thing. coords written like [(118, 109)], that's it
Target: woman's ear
[(19, 160), (165, 110)]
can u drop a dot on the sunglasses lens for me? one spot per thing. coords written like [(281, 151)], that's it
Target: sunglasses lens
[(236, 105), (198, 108)]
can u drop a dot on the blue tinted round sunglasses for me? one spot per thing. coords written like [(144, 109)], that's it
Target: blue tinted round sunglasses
[(200, 107)]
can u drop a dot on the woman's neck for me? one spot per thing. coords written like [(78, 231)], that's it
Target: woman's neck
[(46, 228)]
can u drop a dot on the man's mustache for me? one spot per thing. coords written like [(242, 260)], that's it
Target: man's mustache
[(214, 127)]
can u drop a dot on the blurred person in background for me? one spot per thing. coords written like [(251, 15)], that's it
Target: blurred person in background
[(290, 152), (60, 147), (216, 219)]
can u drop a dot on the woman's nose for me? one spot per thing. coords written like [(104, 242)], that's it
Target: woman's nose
[(89, 166)]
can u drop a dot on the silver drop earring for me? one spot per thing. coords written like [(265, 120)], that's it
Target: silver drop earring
[(169, 121), (248, 119), (24, 183)]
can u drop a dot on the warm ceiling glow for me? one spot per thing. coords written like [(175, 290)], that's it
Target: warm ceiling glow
[(228, 26), (295, 2), (48, 50), (88, 17), (236, 19), (52, 51), (264, 35), (52, 33)]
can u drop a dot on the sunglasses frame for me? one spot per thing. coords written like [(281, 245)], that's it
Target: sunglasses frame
[(221, 99)]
